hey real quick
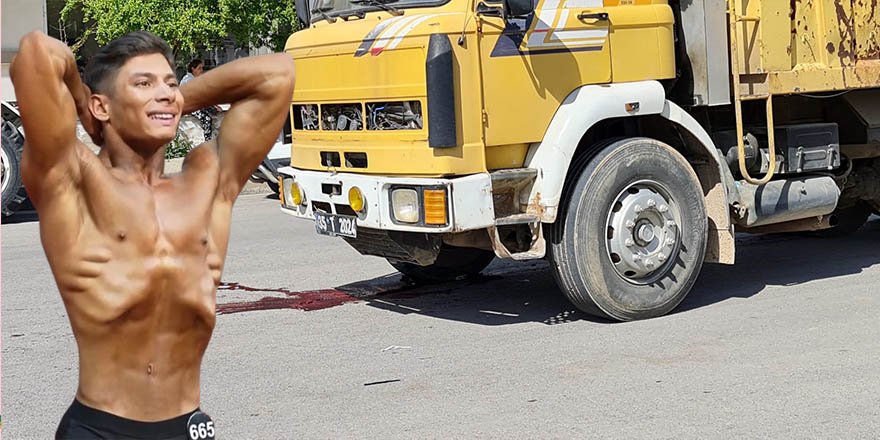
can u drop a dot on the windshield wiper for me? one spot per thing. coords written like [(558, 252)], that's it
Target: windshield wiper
[(381, 4), (324, 15)]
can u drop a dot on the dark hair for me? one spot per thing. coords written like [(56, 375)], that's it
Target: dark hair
[(193, 64), (106, 63)]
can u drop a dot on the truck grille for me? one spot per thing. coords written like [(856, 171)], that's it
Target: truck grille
[(305, 117), (406, 115), (341, 117), (391, 115)]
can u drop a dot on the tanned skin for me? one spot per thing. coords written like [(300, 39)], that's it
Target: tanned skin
[(137, 254)]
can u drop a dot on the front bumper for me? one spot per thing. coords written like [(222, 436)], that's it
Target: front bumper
[(469, 199)]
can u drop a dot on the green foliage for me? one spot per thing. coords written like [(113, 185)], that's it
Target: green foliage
[(178, 147), (257, 23), (188, 25)]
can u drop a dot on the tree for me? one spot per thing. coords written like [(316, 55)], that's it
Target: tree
[(188, 26), (259, 23)]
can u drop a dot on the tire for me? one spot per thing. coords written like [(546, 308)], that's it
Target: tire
[(13, 190), (849, 220), (637, 186), (452, 263)]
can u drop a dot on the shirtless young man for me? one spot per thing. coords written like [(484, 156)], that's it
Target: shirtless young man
[(137, 254)]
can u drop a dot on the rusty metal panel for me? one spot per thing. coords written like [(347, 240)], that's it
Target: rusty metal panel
[(840, 31), (776, 31), (808, 45), (867, 29)]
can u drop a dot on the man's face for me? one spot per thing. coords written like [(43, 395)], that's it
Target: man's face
[(145, 105)]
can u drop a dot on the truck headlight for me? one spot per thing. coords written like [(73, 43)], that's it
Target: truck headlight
[(405, 205)]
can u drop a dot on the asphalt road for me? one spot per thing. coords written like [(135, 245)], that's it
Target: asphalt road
[(315, 341)]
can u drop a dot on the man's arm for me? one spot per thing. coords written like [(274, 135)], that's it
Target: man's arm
[(260, 89), (50, 94)]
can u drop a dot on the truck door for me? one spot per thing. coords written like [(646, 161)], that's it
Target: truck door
[(530, 64)]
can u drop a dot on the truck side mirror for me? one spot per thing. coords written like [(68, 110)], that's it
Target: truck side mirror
[(303, 13), (518, 8)]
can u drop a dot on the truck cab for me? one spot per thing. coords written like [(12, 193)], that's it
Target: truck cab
[(604, 135)]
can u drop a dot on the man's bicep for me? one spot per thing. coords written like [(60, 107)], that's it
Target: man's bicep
[(47, 108), (46, 105)]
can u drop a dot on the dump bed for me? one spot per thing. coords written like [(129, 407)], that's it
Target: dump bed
[(803, 46), (796, 46)]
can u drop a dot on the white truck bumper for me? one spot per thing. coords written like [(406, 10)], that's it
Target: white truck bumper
[(469, 199)]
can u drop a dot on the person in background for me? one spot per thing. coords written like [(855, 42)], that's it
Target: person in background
[(206, 115)]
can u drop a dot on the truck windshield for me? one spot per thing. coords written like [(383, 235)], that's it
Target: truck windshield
[(330, 9)]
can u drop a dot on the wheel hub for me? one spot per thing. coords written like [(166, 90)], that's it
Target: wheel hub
[(643, 232)]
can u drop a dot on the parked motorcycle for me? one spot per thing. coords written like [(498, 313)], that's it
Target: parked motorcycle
[(14, 193)]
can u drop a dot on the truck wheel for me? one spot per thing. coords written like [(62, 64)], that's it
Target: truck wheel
[(631, 241), (452, 263), (13, 190)]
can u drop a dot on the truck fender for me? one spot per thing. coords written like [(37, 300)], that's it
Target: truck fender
[(591, 104)]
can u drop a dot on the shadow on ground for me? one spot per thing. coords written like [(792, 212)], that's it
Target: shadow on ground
[(512, 294), (507, 293), (784, 260)]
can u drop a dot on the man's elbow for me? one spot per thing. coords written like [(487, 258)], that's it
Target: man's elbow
[(35, 49), (33, 40), (30, 44), (284, 75)]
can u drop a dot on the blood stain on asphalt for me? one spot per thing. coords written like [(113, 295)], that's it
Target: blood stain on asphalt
[(306, 300), (392, 287)]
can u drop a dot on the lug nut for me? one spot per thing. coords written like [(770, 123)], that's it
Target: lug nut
[(637, 209), (670, 224), (649, 263), (629, 242), (636, 257), (663, 208), (630, 224), (670, 242), (651, 203), (662, 257)]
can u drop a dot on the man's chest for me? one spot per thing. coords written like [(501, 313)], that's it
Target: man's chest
[(174, 213), (161, 221)]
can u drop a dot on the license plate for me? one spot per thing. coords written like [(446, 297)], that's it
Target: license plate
[(336, 225)]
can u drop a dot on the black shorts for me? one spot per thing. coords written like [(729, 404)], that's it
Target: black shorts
[(83, 422)]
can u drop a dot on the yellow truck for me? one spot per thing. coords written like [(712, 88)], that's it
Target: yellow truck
[(625, 141)]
